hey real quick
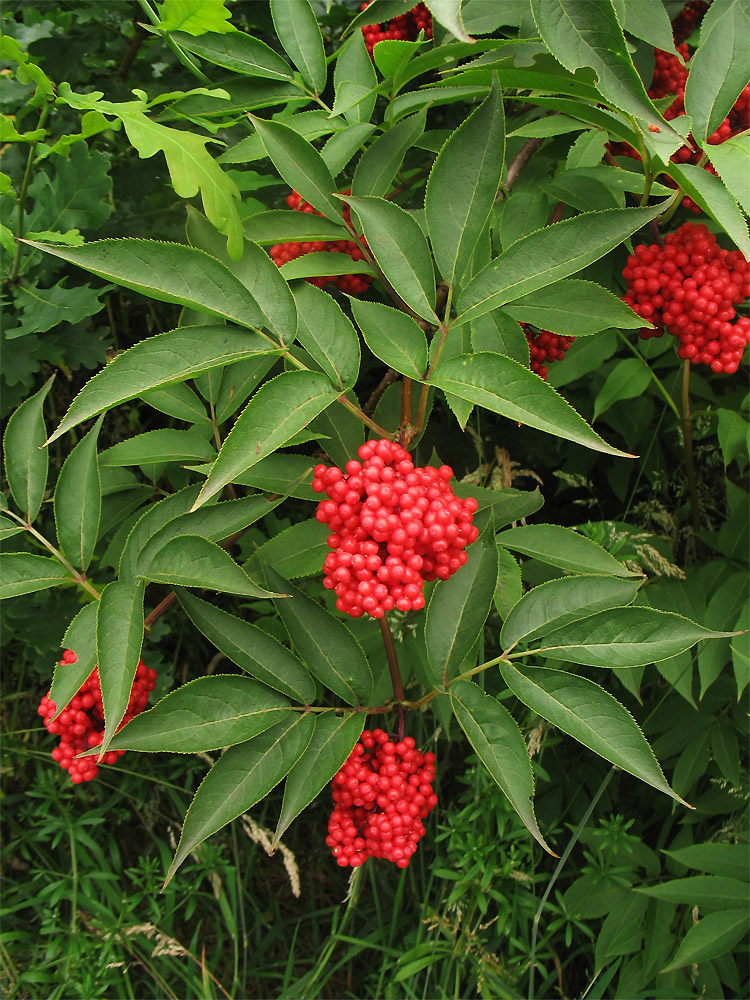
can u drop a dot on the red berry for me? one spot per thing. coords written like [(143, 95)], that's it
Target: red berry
[(81, 725)]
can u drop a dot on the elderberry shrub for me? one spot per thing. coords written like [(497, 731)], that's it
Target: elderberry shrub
[(80, 726), (689, 288), (381, 795), (393, 527)]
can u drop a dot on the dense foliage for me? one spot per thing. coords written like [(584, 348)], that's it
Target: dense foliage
[(394, 441)]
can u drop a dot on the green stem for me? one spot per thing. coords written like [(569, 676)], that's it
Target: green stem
[(43, 113), (668, 399), (184, 58), (79, 578), (687, 444), (398, 685)]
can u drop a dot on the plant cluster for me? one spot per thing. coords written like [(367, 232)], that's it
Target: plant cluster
[(256, 493)]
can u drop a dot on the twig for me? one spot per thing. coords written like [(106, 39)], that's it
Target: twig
[(389, 378), (398, 686), (424, 172), (519, 161), (22, 196), (132, 50)]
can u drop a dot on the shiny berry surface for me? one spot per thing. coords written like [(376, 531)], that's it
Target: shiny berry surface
[(393, 526), (80, 725), (689, 288), (381, 795), (405, 27)]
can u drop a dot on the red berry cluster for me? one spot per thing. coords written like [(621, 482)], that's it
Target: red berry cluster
[(689, 287), (545, 347), (80, 726), (281, 253), (393, 527), (670, 77), (688, 19), (381, 795), (406, 27)]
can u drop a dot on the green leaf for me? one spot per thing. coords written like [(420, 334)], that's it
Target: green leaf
[(149, 523), (80, 637), (448, 13), (733, 432), (463, 185), (194, 16), (392, 336), (205, 714), (700, 890), (242, 776), (731, 160), (310, 124), (75, 195), (710, 194), (497, 333), (562, 547), (331, 744), (458, 609), (298, 551), (164, 445), (9, 528), (717, 858), (629, 379), (718, 70), (323, 263), (380, 162), (574, 308), (238, 52), (326, 645), (648, 19), (215, 522), (711, 937), (26, 460), (169, 272), (255, 270), (251, 648), (354, 81), (78, 501), (509, 587), (300, 164), (393, 55), (23, 573), (300, 37), (119, 637), (625, 637), (277, 411), (506, 387), (162, 360), (558, 602), (327, 334), (498, 743), (44, 308), (549, 254), (589, 714), (399, 246), (179, 401), (343, 145), (193, 561), (282, 226), (579, 35)]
